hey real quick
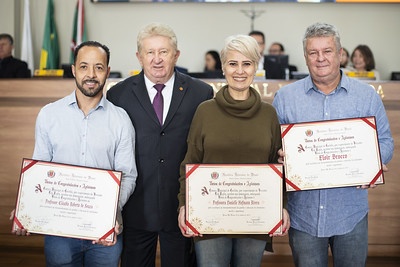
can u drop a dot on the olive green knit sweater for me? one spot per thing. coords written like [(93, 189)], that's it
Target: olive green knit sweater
[(227, 131)]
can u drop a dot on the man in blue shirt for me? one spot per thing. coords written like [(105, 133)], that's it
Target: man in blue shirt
[(330, 217), (85, 129)]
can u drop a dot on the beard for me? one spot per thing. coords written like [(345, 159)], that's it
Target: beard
[(90, 92)]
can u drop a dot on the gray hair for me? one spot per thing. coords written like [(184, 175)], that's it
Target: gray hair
[(321, 30), (244, 44), (157, 29)]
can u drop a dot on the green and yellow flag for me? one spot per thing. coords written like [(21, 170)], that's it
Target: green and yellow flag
[(50, 55)]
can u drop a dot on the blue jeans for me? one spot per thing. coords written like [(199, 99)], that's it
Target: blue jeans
[(222, 251), (72, 252), (350, 249)]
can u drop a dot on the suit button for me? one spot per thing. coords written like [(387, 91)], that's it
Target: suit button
[(161, 160), (162, 133)]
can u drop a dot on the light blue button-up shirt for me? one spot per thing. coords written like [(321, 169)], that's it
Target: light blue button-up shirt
[(329, 212), (105, 139)]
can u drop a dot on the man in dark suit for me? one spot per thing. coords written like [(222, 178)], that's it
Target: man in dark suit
[(151, 212), (11, 67)]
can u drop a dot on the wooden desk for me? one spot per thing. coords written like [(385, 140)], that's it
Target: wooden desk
[(21, 100)]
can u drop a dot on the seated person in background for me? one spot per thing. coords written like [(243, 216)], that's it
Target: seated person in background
[(363, 60), (278, 49), (11, 67), (212, 67), (213, 61), (266, 68), (260, 38), (344, 60)]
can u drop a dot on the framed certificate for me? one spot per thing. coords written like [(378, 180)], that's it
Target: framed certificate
[(65, 200), (328, 154), (234, 199)]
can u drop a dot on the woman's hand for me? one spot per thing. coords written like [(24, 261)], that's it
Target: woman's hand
[(181, 223), (285, 224)]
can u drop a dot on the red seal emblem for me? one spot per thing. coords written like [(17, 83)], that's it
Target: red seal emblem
[(51, 173), (309, 133), (214, 175)]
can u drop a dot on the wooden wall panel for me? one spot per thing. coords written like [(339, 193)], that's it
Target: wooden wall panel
[(21, 100)]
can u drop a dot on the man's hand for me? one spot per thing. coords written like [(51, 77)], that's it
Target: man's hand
[(384, 168), (109, 243), (18, 231), (281, 155)]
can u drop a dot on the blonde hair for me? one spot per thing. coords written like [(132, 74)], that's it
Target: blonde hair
[(157, 29), (244, 44)]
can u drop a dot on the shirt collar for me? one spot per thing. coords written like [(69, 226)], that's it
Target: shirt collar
[(344, 81), (150, 84), (343, 84), (71, 100)]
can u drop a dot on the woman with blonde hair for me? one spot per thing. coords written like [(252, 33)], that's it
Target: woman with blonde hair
[(235, 127)]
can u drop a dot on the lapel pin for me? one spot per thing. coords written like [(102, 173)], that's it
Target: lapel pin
[(180, 88)]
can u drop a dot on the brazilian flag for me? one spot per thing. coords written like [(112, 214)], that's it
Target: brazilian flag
[(50, 55)]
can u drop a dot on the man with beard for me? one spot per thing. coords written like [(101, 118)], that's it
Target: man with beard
[(85, 129)]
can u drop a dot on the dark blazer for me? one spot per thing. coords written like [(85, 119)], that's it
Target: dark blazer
[(11, 67), (159, 149)]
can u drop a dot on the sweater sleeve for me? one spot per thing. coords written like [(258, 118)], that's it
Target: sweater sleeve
[(194, 152), (276, 137), (276, 145)]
